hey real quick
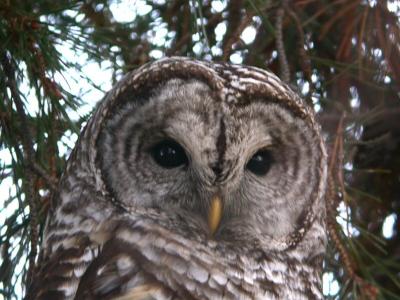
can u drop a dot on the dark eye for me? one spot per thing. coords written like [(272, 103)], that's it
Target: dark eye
[(169, 154), (260, 163)]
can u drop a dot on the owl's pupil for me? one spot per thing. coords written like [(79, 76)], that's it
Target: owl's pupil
[(260, 163), (169, 154)]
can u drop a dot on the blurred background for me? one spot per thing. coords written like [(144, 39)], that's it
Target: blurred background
[(58, 58)]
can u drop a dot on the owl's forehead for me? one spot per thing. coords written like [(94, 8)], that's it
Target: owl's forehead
[(235, 84), (192, 104)]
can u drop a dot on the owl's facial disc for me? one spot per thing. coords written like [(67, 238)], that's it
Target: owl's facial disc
[(239, 170)]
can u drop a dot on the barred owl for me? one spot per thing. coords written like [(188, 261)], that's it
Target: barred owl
[(192, 180)]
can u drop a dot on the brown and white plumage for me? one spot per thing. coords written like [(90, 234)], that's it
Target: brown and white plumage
[(125, 227)]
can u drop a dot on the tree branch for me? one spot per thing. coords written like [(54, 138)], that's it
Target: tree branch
[(50, 181), (27, 144), (280, 47), (335, 178)]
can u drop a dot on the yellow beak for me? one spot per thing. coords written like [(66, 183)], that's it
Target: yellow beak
[(214, 214)]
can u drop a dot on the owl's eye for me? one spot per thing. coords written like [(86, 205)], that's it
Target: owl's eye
[(169, 154), (260, 163)]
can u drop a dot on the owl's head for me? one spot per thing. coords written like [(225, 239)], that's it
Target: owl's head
[(229, 148)]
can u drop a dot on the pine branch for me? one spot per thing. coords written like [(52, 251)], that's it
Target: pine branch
[(369, 291), (50, 181), (235, 36), (280, 46), (27, 143)]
